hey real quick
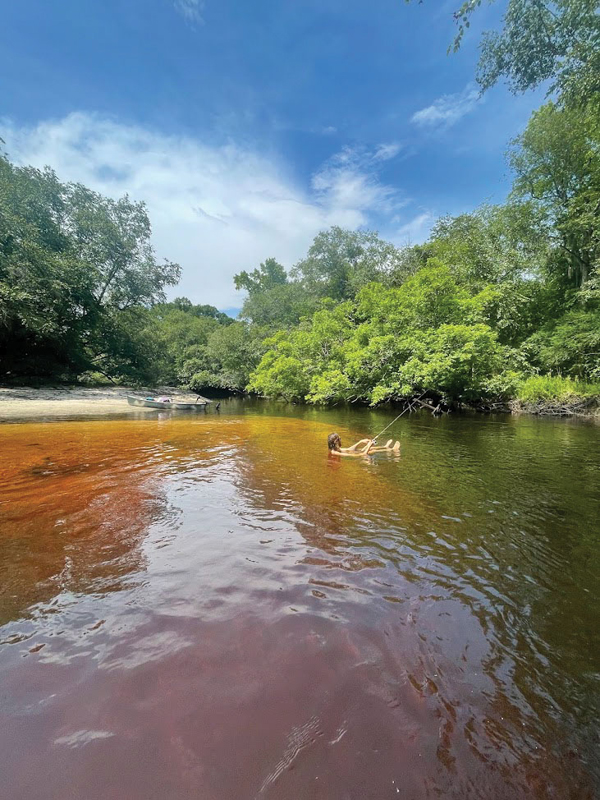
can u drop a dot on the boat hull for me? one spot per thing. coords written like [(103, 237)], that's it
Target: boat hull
[(140, 402)]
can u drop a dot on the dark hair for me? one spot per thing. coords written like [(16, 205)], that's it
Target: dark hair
[(334, 441)]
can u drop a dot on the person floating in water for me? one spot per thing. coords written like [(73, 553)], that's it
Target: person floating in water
[(334, 442)]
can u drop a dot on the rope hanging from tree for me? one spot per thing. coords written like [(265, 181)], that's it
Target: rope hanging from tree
[(391, 423)]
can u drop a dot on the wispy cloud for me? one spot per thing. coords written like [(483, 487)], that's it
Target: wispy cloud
[(214, 209), (191, 10), (415, 230), (387, 151), (447, 109), (350, 180)]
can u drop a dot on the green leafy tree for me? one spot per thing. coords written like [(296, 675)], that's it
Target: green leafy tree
[(183, 304), (513, 309), (268, 275), (428, 299), (44, 293), (556, 41), (202, 350), (280, 306), (569, 347), (540, 40), (340, 262), (113, 238), (389, 343), (281, 371), (273, 301), (233, 351), (75, 270), (184, 338), (493, 244), (556, 161), (455, 362)]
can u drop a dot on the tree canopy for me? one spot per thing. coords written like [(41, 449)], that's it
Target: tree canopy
[(76, 269), (540, 40)]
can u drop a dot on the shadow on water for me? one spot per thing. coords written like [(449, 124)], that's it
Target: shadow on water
[(217, 607)]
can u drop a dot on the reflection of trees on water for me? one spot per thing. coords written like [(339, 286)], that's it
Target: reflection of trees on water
[(529, 547)]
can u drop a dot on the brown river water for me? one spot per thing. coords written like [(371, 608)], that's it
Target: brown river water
[(214, 607)]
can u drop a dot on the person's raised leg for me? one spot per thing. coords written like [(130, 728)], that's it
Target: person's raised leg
[(396, 447)]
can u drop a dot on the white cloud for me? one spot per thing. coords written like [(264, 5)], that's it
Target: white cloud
[(190, 10), (348, 181), (387, 151), (415, 230), (448, 109), (214, 209)]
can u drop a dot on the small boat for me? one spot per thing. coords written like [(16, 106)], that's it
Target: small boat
[(167, 405)]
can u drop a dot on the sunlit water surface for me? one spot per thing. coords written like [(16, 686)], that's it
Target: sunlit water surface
[(214, 607)]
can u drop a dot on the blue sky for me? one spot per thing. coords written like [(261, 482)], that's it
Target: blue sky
[(247, 127)]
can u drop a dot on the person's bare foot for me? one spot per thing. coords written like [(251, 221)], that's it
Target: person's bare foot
[(388, 444), (396, 447)]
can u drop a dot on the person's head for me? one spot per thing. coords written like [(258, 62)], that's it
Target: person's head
[(334, 441)]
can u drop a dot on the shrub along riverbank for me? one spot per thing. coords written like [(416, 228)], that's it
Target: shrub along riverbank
[(557, 396)]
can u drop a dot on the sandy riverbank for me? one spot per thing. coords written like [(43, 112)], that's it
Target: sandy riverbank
[(21, 403)]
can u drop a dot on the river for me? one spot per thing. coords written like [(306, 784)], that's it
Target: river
[(215, 607)]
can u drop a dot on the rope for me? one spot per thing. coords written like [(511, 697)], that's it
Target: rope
[(391, 423)]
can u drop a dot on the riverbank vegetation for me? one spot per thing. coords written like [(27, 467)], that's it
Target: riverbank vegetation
[(499, 304)]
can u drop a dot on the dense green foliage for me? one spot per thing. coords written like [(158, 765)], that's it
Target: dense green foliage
[(201, 347), (554, 388), (500, 303), (493, 299), (81, 294), (540, 40), (76, 272)]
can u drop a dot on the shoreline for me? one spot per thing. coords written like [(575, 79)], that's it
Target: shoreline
[(581, 409), (22, 403)]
